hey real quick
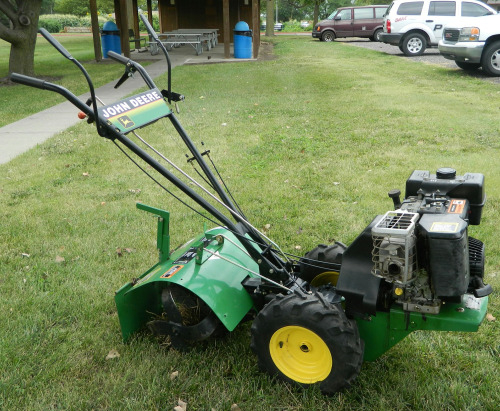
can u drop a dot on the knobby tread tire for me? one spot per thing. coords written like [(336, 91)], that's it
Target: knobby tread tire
[(316, 261), (328, 321)]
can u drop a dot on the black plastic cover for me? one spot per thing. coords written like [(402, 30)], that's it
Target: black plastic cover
[(356, 282), (447, 253), (470, 186)]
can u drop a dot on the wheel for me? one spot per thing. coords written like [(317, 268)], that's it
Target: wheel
[(321, 265), (467, 66), (302, 339), (414, 44), (376, 35), (491, 59), (328, 36)]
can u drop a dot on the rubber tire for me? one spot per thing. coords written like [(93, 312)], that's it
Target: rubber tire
[(376, 35), (414, 41), (467, 66), (309, 271), (328, 36), (311, 313), (490, 60)]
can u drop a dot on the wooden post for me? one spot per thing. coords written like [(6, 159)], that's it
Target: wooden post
[(256, 27), (225, 23), (150, 12), (95, 30), (137, 32), (122, 23)]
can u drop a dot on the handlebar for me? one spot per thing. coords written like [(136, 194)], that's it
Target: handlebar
[(58, 46), (31, 81), (169, 95), (118, 57), (149, 28), (45, 85), (70, 96)]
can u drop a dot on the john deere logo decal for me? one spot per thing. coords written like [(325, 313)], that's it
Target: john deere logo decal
[(136, 111), (126, 121)]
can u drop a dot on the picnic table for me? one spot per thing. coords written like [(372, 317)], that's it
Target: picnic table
[(196, 38)]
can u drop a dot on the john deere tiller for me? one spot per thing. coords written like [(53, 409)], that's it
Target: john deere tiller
[(315, 318)]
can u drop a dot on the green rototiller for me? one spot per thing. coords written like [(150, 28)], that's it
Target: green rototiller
[(315, 318)]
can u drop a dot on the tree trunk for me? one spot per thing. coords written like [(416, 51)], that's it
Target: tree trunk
[(270, 18), (316, 13), (21, 34), (22, 53)]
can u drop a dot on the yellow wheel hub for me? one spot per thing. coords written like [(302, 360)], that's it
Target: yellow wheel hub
[(300, 354), (325, 278)]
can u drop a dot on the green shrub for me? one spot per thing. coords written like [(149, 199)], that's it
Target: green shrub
[(293, 26), (55, 23), (86, 21)]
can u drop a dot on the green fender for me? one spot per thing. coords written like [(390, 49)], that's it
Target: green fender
[(215, 276)]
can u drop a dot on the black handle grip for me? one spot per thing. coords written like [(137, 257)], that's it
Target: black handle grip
[(45, 85), (150, 29), (118, 57), (29, 81), (55, 43)]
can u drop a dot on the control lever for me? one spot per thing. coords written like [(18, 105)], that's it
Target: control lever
[(129, 72), (394, 194), (172, 96)]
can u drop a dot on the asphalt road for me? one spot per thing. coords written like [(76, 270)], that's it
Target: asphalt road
[(430, 56)]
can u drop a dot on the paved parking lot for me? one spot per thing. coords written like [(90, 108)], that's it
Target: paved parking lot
[(430, 56)]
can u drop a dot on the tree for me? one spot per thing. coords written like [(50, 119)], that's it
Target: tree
[(269, 17), (82, 8), (20, 29), (47, 6)]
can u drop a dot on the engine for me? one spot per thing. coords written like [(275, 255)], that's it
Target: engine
[(423, 249), (419, 255)]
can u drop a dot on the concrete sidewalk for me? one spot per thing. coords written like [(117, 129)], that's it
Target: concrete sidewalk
[(18, 137)]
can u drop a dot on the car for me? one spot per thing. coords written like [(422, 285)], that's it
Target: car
[(277, 27), (361, 21), (473, 43), (414, 25)]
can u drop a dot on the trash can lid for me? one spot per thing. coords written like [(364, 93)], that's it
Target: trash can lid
[(110, 26), (241, 26)]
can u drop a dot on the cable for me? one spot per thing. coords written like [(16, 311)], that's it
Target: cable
[(224, 184), (165, 188)]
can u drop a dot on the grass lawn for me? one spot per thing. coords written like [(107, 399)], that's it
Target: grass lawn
[(310, 143)]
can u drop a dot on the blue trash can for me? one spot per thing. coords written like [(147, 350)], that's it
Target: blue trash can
[(242, 41), (110, 36)]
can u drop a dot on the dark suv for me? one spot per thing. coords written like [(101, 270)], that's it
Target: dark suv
[(362, 21)]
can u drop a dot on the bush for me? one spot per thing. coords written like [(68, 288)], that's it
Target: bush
[(293, 26), (55, 23), (86, 21)]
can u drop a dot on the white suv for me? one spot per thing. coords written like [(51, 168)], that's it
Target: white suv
[(473, 43), (414, 25)]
